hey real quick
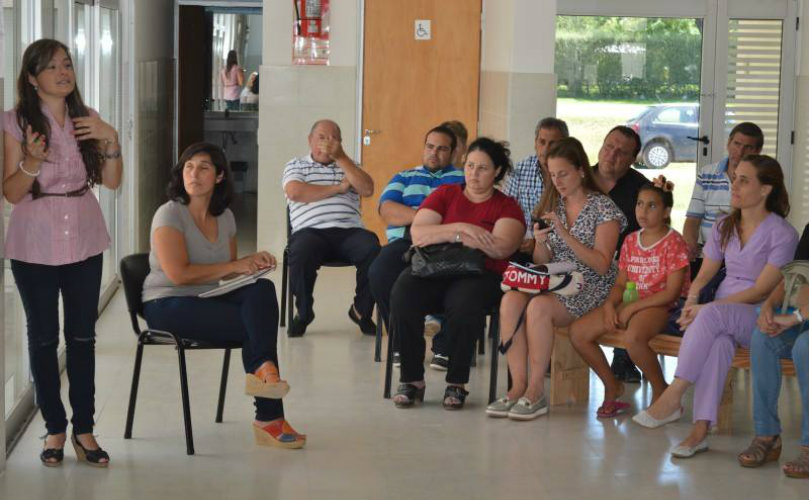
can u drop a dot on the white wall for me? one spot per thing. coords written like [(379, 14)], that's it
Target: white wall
[(255, 44)]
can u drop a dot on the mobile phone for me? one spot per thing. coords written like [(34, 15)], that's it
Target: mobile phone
[(542, 223)]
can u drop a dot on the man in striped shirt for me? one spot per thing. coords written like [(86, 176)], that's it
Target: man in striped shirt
[(398, 205), (525, 182), (711, 196), (323, 192)]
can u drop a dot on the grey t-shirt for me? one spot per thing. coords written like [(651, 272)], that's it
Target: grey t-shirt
[(200, 250)]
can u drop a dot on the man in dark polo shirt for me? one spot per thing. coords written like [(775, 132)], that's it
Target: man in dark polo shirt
[(616, 177)]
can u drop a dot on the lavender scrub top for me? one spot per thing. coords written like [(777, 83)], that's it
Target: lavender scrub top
[(773, 242)]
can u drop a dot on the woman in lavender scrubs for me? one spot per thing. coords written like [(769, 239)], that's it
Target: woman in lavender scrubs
[(56, 150), (755, 242)]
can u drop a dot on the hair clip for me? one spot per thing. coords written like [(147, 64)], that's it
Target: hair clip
[(663, 184)]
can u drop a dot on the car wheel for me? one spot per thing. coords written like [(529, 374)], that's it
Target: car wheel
[(657, 154)]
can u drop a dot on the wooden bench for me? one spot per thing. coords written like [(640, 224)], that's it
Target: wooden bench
[(570, 375)]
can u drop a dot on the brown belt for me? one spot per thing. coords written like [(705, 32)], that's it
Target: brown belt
[(70, 194)]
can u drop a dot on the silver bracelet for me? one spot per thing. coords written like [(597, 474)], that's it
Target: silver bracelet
[(113, 156), (26, 172)]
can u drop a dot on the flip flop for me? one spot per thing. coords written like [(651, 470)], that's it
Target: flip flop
[(612, 408)]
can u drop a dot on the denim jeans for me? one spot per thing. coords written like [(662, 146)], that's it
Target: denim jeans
[(79, 284), (249, 315), (765, 356)]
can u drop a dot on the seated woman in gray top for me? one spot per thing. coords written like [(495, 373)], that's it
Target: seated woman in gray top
[(193, 246)]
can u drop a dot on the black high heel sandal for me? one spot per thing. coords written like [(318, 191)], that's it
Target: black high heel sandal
[(454, 392), (52, 457), (411, 393), (92, 457)]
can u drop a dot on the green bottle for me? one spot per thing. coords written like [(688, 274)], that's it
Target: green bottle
[(631, 292)]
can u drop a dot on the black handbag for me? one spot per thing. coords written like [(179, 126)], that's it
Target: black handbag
[(445, 259)]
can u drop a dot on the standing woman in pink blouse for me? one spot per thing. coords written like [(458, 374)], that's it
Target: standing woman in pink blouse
[(56, 149)]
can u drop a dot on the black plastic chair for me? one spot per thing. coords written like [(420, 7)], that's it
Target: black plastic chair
[(134, 269), (288, 300)]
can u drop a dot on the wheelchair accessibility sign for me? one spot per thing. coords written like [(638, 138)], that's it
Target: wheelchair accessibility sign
[(422, 29)]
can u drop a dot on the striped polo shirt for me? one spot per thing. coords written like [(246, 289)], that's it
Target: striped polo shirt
[(411, 187), (340, 210), (711, 197)]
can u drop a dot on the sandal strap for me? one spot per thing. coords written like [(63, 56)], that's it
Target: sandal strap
[(268, 372), (55, 453), (759, 448), (802, 462), (453, 391), (407, 390), (95, 456)]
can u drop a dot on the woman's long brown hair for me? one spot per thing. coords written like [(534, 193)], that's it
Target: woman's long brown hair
[(29, 106), (769, 173), (569, 149)]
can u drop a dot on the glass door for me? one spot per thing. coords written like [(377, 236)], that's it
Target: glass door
[(642, 72), (97, 57), (676, 72), (108, 83)]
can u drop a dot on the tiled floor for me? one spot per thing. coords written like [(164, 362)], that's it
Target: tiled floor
[(360, 446)]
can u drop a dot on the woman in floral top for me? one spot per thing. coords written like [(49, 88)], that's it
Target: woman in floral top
[(583, 228)]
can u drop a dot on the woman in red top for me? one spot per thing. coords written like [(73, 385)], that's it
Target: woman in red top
[(479, 216)]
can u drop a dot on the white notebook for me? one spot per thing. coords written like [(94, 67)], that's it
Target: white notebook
[(227, 286)]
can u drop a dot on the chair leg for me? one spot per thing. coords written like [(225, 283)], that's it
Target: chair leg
[(133, 392), (494, 333), (284, 273), (378, 345), (189, 437), (223, 387), (388, 366)]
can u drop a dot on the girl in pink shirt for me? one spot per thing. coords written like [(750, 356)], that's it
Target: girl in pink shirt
[(232, 77), (56, 150), (656, 259)]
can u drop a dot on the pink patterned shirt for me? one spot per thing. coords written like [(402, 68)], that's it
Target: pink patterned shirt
[(56, 230), (650, 266)]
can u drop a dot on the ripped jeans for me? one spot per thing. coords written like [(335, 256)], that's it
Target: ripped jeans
[(79, 284)]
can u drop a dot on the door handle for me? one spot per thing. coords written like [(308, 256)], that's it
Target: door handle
[(704, 139), (370, 131)]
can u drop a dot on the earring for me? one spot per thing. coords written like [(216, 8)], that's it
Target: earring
[(36, 88)]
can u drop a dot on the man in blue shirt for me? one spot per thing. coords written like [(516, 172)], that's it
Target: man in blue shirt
[(398, 205), (711, 196)]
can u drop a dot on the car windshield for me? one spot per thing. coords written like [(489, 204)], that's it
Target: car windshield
[(640, 115)]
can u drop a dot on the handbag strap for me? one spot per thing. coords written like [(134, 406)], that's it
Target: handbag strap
[(504, 347)]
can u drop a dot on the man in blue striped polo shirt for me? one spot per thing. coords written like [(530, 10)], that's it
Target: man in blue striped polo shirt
[(398, 205), (323, 191), (711, 196)]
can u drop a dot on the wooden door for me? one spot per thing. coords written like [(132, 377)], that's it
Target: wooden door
[(410, 86)]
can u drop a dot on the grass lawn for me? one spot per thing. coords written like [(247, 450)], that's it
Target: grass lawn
[(589, 121)]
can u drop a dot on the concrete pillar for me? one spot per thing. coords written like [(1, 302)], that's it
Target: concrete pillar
[(517, 81)]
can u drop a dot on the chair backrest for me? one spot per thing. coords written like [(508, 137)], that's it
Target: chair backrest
[(796, 275), (134, 269)]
